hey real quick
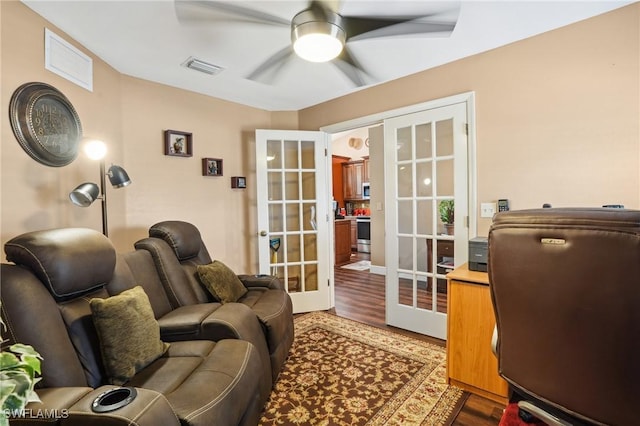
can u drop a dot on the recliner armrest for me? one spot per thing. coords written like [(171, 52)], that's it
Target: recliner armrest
[(265, 281), (215, 322), (72, 406)]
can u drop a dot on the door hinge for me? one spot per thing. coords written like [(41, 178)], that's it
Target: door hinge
[(329, 283), (466, 221), (466, 128), (326, 153)]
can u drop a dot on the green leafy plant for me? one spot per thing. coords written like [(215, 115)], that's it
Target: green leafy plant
[(18, 369), (447, 210)]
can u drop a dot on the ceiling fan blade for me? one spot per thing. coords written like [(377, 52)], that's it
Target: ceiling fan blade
[(346, 63), (274, 62), (358, 28), (205, 11)]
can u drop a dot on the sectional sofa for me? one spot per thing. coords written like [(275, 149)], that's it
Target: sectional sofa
[(126, 338)]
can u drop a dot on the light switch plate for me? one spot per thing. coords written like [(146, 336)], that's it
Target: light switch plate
[(487, 209)]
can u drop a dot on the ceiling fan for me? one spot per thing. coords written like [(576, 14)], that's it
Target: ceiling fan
[(320, 34)]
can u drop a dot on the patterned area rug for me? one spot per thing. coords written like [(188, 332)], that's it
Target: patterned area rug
[(342, 372)]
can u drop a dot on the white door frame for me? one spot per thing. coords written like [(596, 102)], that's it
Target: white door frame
[(378, 118)]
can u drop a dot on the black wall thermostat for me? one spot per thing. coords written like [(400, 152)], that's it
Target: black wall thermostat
[(503, 205)]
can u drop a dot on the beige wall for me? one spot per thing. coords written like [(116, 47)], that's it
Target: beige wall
[(557, 121), (130, 115), (35, 196), (168, 188), (557, 114), (340, 144)]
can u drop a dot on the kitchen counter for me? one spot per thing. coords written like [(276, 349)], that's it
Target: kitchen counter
[(342, 241)]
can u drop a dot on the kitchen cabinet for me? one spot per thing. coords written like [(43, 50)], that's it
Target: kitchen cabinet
[(352, 178), (342, 241)]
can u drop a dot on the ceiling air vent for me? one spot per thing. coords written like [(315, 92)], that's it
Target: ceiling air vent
[(202, 66)]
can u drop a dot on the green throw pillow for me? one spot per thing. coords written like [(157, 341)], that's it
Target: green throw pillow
[(129, 333), (222, 282)]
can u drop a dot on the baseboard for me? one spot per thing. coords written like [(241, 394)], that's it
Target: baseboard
[(379, 270)]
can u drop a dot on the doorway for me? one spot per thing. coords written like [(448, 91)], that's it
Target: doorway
[(419, 274)]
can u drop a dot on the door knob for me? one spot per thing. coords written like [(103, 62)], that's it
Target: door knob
[(263, 233)]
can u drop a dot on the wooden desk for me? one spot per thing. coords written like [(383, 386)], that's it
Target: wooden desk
[(445, 248), (471, 364)]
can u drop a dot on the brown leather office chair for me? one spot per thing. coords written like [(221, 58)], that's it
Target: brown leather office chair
[(565, 285)]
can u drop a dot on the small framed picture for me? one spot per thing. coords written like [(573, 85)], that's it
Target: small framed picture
[(179, 144), (239, 182), (212, 167)]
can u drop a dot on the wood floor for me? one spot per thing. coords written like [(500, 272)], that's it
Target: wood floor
[(361, 296)]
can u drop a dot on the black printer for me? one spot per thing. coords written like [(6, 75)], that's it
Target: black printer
[(478, 248)]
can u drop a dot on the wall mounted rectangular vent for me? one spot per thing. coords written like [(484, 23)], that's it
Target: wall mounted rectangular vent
[(64, 59), (202, 66)]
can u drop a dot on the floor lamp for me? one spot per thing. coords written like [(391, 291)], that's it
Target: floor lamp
[(86, 193)]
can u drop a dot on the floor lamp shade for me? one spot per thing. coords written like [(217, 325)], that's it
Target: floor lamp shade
[(84, 194), (118, 176), (88, 192)]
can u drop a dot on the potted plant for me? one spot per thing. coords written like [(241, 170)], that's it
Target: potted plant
[(19, 366), (447, 210)]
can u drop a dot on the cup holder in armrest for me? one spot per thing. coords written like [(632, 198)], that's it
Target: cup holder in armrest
[(113, 399)]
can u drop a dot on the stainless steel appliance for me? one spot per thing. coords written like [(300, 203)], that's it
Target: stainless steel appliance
[(363, 233), (366, 190)]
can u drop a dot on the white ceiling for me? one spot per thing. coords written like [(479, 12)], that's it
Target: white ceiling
[(145, 39)]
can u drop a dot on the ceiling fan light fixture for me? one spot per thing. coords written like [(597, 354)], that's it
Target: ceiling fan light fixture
[(317, 37)]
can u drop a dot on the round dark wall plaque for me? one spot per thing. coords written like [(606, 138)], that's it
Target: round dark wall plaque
[(45, 124)]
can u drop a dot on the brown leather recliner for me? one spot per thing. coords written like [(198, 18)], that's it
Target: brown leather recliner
[(177, 248), (565, 285), (45, 303)]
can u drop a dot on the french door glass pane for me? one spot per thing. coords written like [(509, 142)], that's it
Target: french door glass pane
[(425, 213), (405, 253), (405, 180), (445, 178), (405, 290), (292, 185), (422, 255), (290, 154), (444, 136), (308, 155), (275, 218), (423, 141), (275, 185), (310, 247), (293, 217), (308, 185), (424, 188), (404, 143), (274, 154), (310, 277), (293, 248), (425, 294), (405, 217)]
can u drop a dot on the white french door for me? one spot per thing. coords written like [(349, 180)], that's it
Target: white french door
[(425, 165), (293, 220)]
